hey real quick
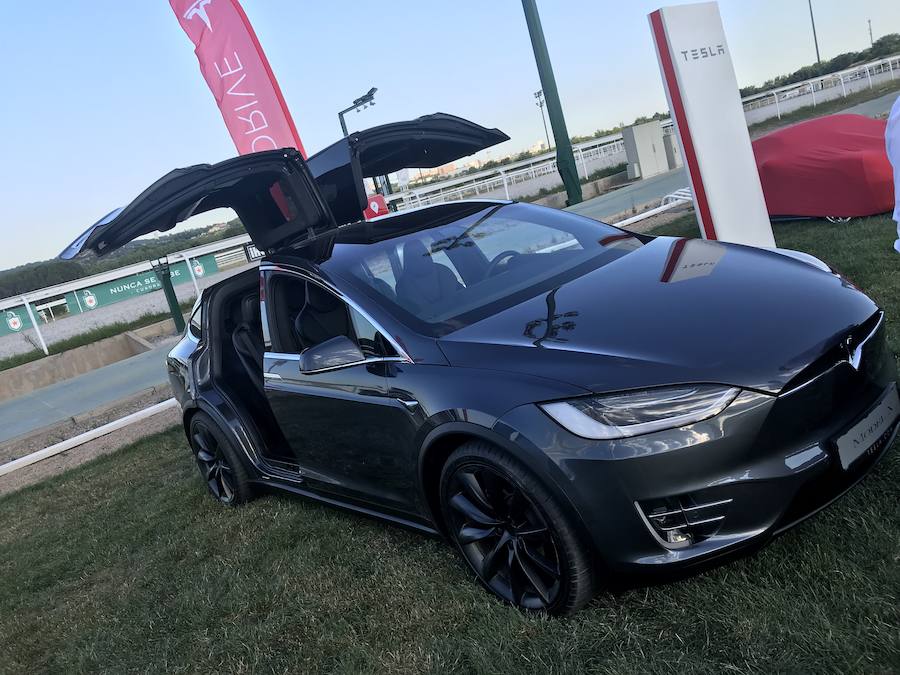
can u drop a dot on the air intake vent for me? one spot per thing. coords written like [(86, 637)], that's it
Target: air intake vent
[(681, 521)]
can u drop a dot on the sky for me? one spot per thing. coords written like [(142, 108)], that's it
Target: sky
[(102, 97)]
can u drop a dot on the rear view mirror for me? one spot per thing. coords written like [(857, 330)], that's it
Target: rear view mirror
[(333, 353)]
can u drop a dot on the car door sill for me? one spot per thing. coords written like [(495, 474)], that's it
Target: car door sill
[(291, 486)]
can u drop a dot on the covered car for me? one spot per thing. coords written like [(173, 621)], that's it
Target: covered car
[(833, 166)]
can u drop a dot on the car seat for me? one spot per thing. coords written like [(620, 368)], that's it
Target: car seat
[(423, 282), (322, 317), (248, 343)]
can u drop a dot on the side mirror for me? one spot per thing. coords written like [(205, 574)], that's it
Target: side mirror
[(333, 353)]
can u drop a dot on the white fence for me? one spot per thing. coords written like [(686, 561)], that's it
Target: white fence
[(516, 180), (777, 102), (38, 302)]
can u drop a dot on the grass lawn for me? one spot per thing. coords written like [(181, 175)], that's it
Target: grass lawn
[(125, 564)]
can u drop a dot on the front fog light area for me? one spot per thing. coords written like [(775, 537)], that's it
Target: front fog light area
[(683, 520)]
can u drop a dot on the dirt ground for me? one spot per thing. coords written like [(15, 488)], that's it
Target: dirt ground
[(19, 447)]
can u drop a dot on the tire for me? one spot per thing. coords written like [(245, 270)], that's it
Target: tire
[(513, 532), (218, 461)]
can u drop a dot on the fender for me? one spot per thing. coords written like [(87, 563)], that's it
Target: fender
[(525, 452), (245, 439)]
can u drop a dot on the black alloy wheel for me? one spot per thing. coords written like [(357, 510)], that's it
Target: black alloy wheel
[(512, 533), (224, 475)]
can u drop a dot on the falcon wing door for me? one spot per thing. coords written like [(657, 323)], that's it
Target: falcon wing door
[(425, 142), (272, 192)]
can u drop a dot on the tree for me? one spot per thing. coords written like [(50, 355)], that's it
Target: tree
[(886, 45)]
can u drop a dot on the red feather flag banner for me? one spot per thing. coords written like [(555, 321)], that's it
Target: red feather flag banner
[(238, 74)]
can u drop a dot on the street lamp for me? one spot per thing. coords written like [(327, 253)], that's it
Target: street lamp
[(539, 95), (360, 103)]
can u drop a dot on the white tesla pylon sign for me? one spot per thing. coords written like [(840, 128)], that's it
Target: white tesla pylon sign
[(706, 105)]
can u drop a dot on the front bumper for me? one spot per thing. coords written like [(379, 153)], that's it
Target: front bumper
[(764, 464)]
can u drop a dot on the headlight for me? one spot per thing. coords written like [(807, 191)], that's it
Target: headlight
[(640, 412)]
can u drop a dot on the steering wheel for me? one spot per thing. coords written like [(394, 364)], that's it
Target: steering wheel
[(499, 258)]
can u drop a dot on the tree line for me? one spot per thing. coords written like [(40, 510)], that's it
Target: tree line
[(887, 45), (32, 276)]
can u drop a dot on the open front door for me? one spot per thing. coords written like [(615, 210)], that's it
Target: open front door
[(273, 193)]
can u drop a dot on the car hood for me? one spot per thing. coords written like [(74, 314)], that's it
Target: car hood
[(672, 311)]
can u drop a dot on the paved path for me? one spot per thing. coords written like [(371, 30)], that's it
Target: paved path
[(875, 107), (636, 194), (82, 394)]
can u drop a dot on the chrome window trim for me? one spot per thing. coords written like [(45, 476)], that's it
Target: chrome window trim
[(283, 356), (307, 276)]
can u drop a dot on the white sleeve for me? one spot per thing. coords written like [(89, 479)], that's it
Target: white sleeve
[(892, 146)]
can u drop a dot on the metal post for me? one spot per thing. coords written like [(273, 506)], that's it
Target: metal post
[(565, 158), (583, 165), (164, 274), (191, 272), (34, 324), (843, 88), (777, 109), (539, 95), (815, 38), (869, 75), (812, 90), (505, 184)]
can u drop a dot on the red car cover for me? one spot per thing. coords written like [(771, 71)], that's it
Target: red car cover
[(830, 166)]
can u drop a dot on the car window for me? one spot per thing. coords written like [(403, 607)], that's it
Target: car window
[(379, 266), (369, 339), (195, 326), (437, 253), (500, 235), (303, 314), (460, 271)]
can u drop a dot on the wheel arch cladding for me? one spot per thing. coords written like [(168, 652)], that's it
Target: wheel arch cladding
[(440, 443), (438, 446)]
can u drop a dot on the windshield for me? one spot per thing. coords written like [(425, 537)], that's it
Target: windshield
[(445, 277)]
